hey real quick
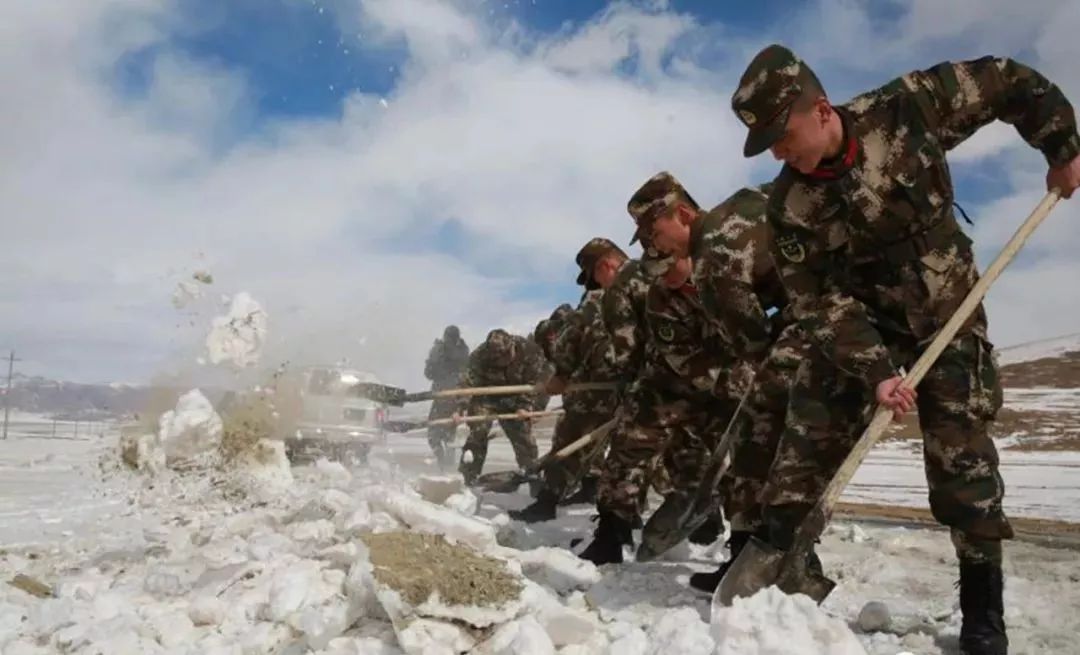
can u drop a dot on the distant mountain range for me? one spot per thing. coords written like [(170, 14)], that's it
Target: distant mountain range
[(75, 400)]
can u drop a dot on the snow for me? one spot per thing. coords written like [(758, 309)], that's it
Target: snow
[(192, 428), (185, 293), (179, 563), (1034, 350), (238, 336), (774, 623)]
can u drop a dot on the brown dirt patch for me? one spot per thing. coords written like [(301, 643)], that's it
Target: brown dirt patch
[(417, 564), (1060, 371)]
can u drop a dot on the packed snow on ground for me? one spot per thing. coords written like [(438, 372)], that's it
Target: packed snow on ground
[(238, 336), (185, 562)]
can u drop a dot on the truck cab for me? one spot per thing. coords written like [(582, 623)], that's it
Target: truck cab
[(334, 423)]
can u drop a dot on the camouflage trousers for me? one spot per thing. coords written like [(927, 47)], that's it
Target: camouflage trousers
[(827, 412), (664, 443), (584, 413), (519, 433), (441, 435), (757, 430)]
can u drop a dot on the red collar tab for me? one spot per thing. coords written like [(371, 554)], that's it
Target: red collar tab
[(689, 289), (835, 172)]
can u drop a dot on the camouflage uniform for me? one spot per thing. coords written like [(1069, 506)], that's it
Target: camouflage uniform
[(742, 296), (573, 356), (445, 363), (502, 359), (874, 264), (672, 414)]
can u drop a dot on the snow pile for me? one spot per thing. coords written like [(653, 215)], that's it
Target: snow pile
[(191, 429), (771, 622), (262, 472), (238, 337)]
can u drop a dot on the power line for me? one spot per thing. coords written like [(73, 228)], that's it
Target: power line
[(7, 392)]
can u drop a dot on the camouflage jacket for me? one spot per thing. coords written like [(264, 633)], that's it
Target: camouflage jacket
[(869, 249), (527, 366), (685, 354), (445, 363), (738, 284), (618, 346), (578, 349)]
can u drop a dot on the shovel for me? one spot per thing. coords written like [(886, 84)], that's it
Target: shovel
[(759, 564), (678, 517), (396, 396), (505, 482)]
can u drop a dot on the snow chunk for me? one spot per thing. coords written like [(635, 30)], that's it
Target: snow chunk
[(238, 337), (874, 617), (429, 637), (556, 568), (206, 610), (680, 631), (422, 516), (464, 503), (190, 429), (332, 472), (521, 637), (184, 293), (264, 471), (773, 622), (437, 488)]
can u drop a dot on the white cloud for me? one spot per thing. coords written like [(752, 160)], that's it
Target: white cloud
[(528, 144)]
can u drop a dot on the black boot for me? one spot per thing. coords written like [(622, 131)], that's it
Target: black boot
[(707, 532), (585, 494), (709, 581), (543, 509), (608, 540), (983, 629)]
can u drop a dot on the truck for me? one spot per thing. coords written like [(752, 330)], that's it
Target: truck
[(332, 422)]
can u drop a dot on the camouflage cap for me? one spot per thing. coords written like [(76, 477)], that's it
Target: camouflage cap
[(656, 197), (548, 328), (499, 343), (773, 81), (591, 253)]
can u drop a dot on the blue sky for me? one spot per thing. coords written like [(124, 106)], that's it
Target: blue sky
[(371, 170)]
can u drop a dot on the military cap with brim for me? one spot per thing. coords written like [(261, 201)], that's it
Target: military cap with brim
[(773, 81), (591, 253), (659, 195)]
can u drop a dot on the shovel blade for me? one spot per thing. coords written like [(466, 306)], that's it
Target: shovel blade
[(382, 393), (761, 565), (756, 567), (672, 522), (501, 482)]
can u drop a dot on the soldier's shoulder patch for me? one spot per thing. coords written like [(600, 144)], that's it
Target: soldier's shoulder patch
[(665, 332), (791, 248)]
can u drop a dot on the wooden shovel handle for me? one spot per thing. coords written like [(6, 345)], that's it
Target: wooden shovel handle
[(883, 416)]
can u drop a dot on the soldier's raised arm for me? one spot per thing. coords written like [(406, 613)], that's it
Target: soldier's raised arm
[(957, 98)]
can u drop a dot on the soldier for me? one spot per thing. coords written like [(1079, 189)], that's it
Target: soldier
[(874, 264), (618, 340), (445, 363), (503, 359), (742, 296), (672, 414), (572, 353)]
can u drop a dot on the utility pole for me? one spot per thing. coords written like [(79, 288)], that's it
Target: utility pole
[(7, 393)]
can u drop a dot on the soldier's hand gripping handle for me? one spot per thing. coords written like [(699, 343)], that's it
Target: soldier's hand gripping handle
[(1065, 178)]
